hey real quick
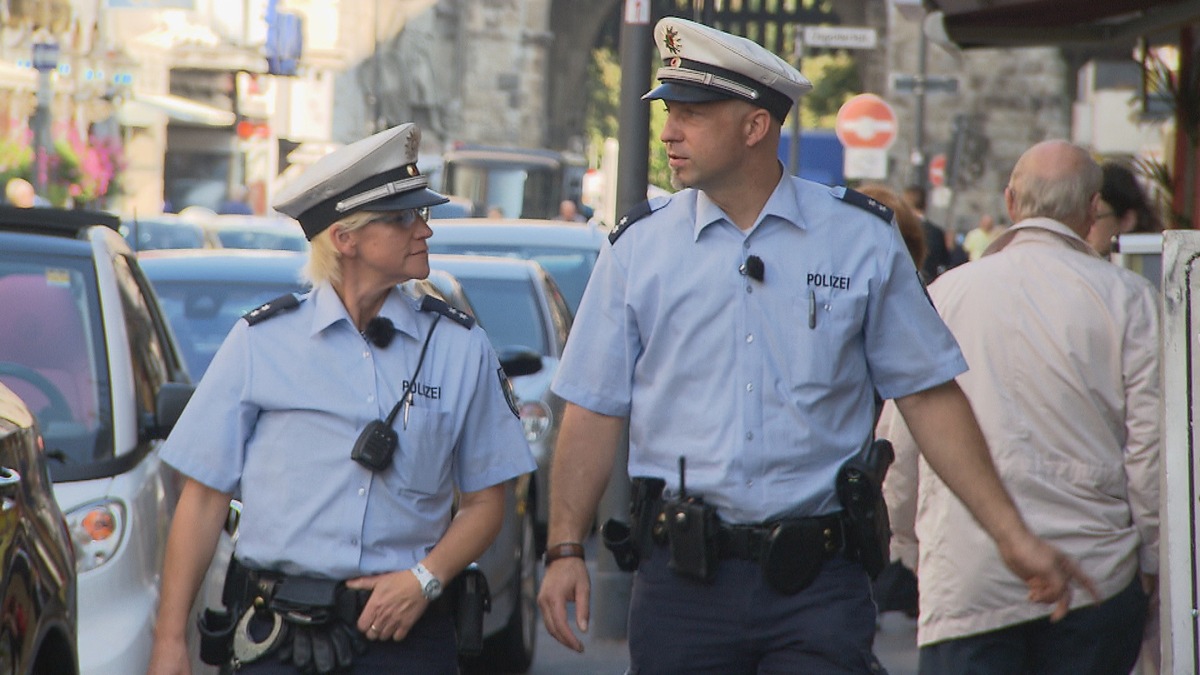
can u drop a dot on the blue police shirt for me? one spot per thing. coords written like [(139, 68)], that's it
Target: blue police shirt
[(277, 412), (766, 387)]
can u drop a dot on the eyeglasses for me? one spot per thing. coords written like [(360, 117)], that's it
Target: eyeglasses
[(405, 217)]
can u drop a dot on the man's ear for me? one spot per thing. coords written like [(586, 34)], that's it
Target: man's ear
[(756, 124)]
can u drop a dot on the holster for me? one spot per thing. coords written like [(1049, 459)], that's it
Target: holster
[(630, 542), (471, 600), (860, 490)]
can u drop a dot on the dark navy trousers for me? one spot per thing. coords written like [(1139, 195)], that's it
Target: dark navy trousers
[(739, 625), (1102, 639)]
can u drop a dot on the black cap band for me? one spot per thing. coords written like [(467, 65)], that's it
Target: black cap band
[(315, 220), (775, 102)]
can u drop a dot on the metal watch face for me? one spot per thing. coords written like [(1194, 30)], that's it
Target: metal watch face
[(433, 589)]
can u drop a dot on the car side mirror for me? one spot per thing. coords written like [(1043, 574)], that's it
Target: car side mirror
[(518, 361), (172, 398)]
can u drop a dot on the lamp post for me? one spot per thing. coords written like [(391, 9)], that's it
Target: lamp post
[(45, 61)]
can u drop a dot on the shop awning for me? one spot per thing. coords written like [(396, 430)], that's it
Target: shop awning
[(143, 110), (1018, 23)]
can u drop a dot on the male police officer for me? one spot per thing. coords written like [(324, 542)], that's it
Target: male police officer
[(743, 326), (344, 420)]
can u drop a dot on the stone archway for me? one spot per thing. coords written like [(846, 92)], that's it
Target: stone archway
[(576, 25)]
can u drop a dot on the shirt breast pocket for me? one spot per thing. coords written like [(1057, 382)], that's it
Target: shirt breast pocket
[(423, 457), (827, 330)]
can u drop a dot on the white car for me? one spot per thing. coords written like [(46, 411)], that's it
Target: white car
[(85, 344)]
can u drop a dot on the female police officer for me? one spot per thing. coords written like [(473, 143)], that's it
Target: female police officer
[(411, 390)]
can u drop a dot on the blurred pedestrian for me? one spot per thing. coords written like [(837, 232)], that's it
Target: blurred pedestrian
[(982, 236), (936, 260), (568, 210), (1065, 383), (368, 436), (19, 192), (742, 326), (1124, 209)]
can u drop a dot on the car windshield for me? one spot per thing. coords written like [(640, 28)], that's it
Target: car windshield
[(508, 311), (148, 234), (52, 353), (569, 267), (202, 313)]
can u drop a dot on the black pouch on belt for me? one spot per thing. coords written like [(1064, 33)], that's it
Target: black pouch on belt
[(794, 555), (319, 642), (216, 636)]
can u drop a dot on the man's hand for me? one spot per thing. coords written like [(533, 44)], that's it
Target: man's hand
[(566, 580), (1047, 571)]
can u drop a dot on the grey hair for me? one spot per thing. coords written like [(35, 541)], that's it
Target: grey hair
[(1060, 193)]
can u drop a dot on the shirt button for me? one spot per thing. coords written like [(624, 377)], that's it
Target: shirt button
[(749, 289), (750, 337), (749, 483), (366, 354), (370, 398), (362, 491), (353, 542), (750, 387), (749, 435), (746, 244)]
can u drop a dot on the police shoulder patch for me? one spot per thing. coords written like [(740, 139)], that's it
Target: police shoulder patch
[(867, 204), (635, 214), (270, 309), (432, 304)]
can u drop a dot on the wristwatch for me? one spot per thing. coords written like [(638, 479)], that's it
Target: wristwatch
[(431, 586)]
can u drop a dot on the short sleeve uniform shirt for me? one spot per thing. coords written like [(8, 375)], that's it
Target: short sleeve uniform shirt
[(766, 387), (276, 415)]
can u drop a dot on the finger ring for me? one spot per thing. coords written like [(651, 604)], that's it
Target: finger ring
[(373, 629)]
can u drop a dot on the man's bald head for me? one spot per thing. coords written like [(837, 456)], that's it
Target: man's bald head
[(1057, 180)]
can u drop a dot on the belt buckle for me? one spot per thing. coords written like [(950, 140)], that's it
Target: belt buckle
[(245, 648)]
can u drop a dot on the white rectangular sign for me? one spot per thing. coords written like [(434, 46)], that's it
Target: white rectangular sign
[(843, 37), (865, 163)]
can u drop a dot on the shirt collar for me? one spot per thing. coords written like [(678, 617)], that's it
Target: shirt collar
[(329, 310), (783, 204), (1066, 234)]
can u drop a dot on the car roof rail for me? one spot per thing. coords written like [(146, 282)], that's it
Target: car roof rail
[(62, 222)]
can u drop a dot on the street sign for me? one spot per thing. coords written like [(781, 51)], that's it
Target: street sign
[(937, 170), (843, 37), (866, 121), (910, 84)]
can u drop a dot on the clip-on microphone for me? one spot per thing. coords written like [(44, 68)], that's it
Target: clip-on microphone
[(380, 331), (753, 268)]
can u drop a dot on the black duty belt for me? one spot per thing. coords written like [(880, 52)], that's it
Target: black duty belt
[(750, 542)]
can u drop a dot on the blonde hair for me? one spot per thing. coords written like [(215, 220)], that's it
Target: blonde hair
[(324, 261)]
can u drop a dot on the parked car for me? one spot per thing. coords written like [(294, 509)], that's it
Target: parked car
[(567, 251), (89, 350), (205, 292), (37, 580), (520, 306), (270, 232), (164, 230)]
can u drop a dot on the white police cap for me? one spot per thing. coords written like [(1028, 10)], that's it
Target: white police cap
[(701, 64), (377, 173)]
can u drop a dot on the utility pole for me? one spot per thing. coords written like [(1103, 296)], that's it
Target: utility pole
[(612, 587), (919, 160), (45, 61)]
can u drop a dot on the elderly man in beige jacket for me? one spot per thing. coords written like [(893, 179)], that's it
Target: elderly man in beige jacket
[(1063, 350)]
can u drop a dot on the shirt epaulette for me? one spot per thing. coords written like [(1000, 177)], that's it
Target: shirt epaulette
[(432, 304), (270, 309), (635, 214), (867, 204)]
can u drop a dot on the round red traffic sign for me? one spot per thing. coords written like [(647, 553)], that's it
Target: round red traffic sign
[(937, 170), (866, 121)]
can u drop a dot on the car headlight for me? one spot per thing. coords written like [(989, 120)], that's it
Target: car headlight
[(97, 529), (536, 418)]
